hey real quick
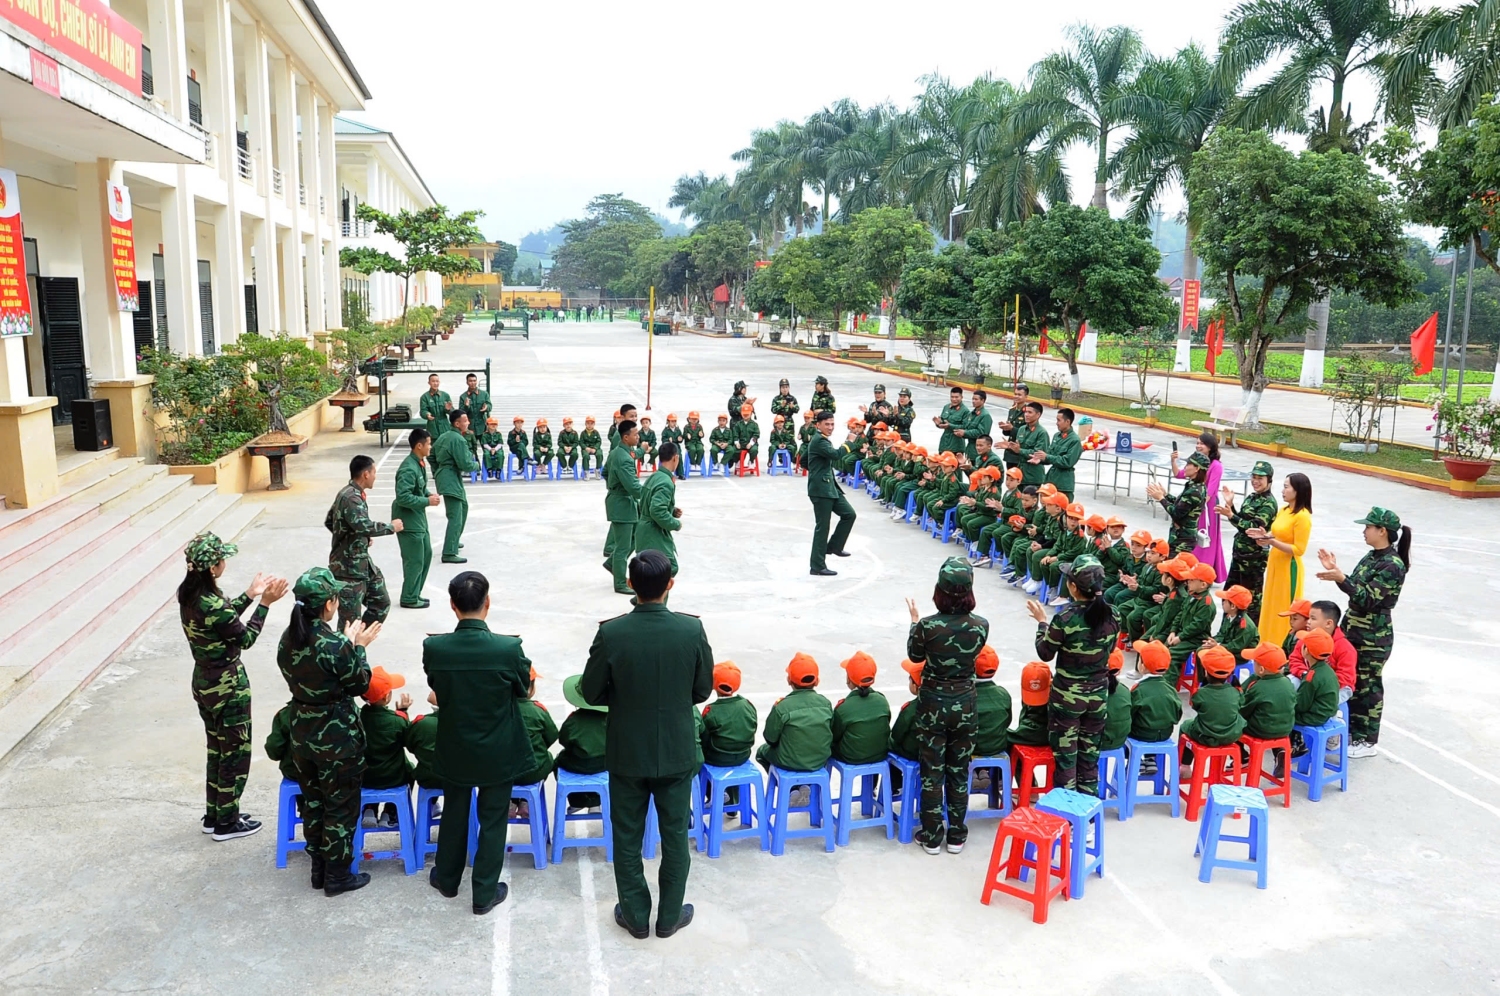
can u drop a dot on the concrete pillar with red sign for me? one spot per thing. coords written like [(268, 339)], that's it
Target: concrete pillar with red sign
[(1187, 326)]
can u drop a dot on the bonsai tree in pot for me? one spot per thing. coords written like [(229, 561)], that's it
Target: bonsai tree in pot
[(1469, 432), (289, 372)]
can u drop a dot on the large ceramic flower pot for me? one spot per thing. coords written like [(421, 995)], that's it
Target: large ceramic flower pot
[(1466, 470)]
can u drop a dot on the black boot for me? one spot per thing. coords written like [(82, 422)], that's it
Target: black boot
[(319, 869), (338, 879)]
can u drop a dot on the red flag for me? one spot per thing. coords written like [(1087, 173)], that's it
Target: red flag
[(1423, 341), (1043, 347), (1083, 330), (1215, 343)]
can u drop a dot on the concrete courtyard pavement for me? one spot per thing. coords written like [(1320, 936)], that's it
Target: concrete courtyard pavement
[(1390, 888)]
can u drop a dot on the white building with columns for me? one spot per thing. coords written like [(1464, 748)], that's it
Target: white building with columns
[(221, 126)]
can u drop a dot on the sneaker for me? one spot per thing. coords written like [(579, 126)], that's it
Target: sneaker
[(955, 848), (208, 824), (1030, 587), (1058, 601), (241, 827), (1362, 748), (979, 561), (800, 796), (1333, 744), (933, 848)]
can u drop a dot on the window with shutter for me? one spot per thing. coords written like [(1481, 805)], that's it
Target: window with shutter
[(195, 102), (206, 305)]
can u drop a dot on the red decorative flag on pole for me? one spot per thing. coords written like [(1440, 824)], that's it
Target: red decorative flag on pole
[(1423, 342), (1215, 343), (1083, 330), (1043, 347)]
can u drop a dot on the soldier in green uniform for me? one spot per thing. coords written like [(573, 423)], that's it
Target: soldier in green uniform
[(692, 438), (822, 398), (827, 498), (879, 410), (1080, 636), (1247, 558), (1030, 439), (1373, 587), (492, 448), (646, 448), (590, 447), (221, 688), (451, 460), (541, 444), (479, 677), (672, 434), (946, 644), (659, 515), (785, 403), (434, 406), (1193, 622), (906, 414), (1061, 454), (349, 521), (325, 671), (1014, 419), (651, 667), (517, 442), (620, 506), (567, 446), (410, 506), (1237, 631), (721, 446), (736, 402), (955, 416), (977, 425), (474, 402), (1185, 508)]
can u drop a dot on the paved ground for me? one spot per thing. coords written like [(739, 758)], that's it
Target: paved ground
[(109, 886)]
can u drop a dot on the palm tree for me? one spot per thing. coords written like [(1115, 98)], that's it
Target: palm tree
[(687, 189), (1466, 40), (857, 164), (942, 134), (1018, 170), (1080, 95), (770, 185), (820, 138)]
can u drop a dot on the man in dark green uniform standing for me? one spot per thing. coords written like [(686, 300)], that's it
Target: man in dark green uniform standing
[(978, 424), (1014, 419), (621, 505), (651, 667), (1062, 454), (953, 417), (481, 742), (1030, 439), (350, 523), (434, 406), (475, 403), (451, 460), (410, 506), (659, 515), (827, 497)]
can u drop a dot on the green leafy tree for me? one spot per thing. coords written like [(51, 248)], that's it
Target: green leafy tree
[(425, 237), (504, 260), (722, 253), (937, 291), (883, 240), (1281, 230), (1464, 41), (598, 249)]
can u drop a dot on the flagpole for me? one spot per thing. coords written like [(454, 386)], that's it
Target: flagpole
[(1463, 347), (650, 344), (1437, 430)]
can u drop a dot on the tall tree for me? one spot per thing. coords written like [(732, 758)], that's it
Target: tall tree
[(937, 290), (722, 253), (771, 184), (942, 134), (1080, 93), (1018, 168), (425, 238), (821, 136), (1463, 41), (884, 239), (599, 248), (857, 165)]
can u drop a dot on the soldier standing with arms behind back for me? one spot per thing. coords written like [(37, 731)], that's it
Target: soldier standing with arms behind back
[(659, 515), (621, 501), (350, 523), (451, 460)]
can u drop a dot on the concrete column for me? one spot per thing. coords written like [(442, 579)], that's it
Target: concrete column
[(220, 111), (1316, 343), (316, 307), (333, 287), (110, 339), (284, 99), (180, 254), (258, 99), (292, 285), (267, 278), (230, 266), (168, 44), (312, 220), (130, 414)]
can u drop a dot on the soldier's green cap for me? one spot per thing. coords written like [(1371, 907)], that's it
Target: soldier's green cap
[(574, 694), (1199, 460), (955, 577), (880, 388), (1382, 517), (785, 383), (738, 384), (904, 392), (316, 586), (1262, 468), (1085, 571), (205, 550)]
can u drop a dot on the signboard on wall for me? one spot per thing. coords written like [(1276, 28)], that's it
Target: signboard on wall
[(1190, 291), (15, 295), (86, 31), (122, 247)]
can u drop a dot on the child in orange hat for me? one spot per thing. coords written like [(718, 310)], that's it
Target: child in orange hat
[(721, 446), (646, 447), (1128, 569), (491, 443), (799, 727), (1318, 691), (1193, 621), (747, 434), (590, 447), (1112, 549), (903, 741), (567, 446), (541, 443), (1269, 699), (1155, 709), (541, 731), (783, 440), (692, 438), (386, 764), (1152, 587), (1118, 711), (1015, 544), (862, 719), (670, 433), (1237, 631), (1218, 722), (517, 442), (729, 721), (1072, 540), (1296, 616), (1173, 581), (1036, 690), (992, 707)]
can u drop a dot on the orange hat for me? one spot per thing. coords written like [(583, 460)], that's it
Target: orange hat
[(860, 668), (1155, 657), (693, 415), (727, 677), (645, 418), (534, 675), (1096, 523), (779, 418), (1141, 536), (977, 481), (1216, 661), (1239, 596), (921, 451), (381, 683), (1268, 655), (746, 409), (913, 671), (1316, 644), (881, 426), (1019, 521), (1057, 499), (987, 662), (588, 418), (518, 418), (1117, 659), (1301, 607), (1015, 473), (566, 420), (803, 671), (1036, 684), (1114, 520), (1173, 568), (671, 416), (948, 460), (1161, 547), (490, 421), (723, 417), (1074, 510), (1047, 490), (807, 415), (541, 423), (1203, 572), (1188, 558)]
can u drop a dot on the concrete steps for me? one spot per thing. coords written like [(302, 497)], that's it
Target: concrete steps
[(83, 576)]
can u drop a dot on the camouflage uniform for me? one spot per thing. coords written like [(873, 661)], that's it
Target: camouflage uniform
[(822, 401), (879, 411), (947, 720), (1247, 559), (1373, 588), (328, 743), (1076, 711), (906, 414), (350, 523), (1185, 509), (735, 401), (784, 404), (221, 688)]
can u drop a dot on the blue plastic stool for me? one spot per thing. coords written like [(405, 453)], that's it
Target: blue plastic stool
[(1112, 780), (287, 822), (751, 807), (780, 463), (427, 822), (535, 797), (1164, 782), (1082, 811), (1233, 800), (874, 799), (1313, 768), (553, 470), (999, 797), (943, 532), (569, 782), (911, 506), (405, 826), (695, 831), (779, 807), (910, 797), (858, 477)]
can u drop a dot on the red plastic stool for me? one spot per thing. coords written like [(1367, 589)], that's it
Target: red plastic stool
[(1211, 766), (1257, 770), (1025, 759), (1188, 679), (746, 467), (1048, 834)]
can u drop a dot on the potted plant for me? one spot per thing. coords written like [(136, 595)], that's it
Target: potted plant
[(1056, 384), (776, 329), (981, 373), (1470, 431), (824, 338), (285, 369)]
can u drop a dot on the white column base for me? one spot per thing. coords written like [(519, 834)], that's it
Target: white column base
[(1183, 362), (1312, 368), (885, 325), (1088, 349)]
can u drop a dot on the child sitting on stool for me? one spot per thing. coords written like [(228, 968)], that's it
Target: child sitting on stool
[(1218, 722), (386, 764), (582, 739), (861, 720)]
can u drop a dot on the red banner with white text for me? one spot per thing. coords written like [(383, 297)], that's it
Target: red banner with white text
[(122, 247), (86, 31), (15, 295)]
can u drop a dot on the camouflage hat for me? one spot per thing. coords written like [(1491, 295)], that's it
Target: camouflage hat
[(785, 383), (205, 550), (955, 577), (1262, 468), (1382, 517), (879, 388), (820, 379), (1199, 460), (316, 586), (1085, 571)]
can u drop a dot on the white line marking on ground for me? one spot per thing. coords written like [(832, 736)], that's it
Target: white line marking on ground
[(1449, 755), (598, 980), (1192, 954), (500, 959), (1439, 782), (388, 451), (1446, 639)]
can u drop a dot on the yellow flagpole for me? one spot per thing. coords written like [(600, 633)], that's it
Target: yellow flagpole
[(650, 343)]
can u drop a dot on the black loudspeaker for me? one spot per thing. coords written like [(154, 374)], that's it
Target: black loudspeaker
[(92, 430)]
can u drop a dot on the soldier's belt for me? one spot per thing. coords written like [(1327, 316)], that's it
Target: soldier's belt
[(949, 687)]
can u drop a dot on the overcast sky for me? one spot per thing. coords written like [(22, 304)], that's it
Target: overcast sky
[(526, 110)]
